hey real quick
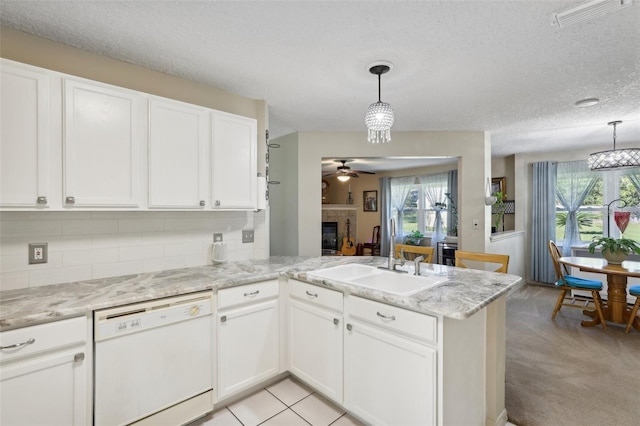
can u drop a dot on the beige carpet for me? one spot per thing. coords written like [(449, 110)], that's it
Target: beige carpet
[(559, 373)]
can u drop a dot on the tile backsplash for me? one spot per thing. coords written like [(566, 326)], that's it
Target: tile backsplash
[(87, 245)]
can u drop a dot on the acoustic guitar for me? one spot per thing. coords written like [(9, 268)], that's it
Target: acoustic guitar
[(348, 243)]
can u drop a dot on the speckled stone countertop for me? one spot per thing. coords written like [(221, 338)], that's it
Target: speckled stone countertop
[(466, 292)]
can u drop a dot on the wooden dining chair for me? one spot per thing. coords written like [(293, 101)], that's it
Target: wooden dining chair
[(415, 251), (567, 282), (634, 291), (470, 256), (374, 245)]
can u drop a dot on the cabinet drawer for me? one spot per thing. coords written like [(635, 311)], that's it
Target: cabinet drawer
[(249, 293), (44, 337), (412, 324), (320, 296)]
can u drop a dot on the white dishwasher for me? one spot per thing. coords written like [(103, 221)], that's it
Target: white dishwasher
[(154, 361)]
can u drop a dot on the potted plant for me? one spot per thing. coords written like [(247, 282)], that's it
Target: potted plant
[(615, 250), (414, 238)]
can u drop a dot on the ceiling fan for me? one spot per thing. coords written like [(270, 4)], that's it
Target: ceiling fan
[(345, 172)]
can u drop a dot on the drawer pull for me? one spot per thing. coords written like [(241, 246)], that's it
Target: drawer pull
[(336, 321), (392, 317), (311, 294), (19, 345), (253, 293)]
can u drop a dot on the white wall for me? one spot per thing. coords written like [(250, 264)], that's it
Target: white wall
[(87, 245)]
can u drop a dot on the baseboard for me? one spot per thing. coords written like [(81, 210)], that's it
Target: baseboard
[(500, 421)]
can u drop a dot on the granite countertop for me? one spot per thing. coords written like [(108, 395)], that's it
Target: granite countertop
[(466, 292)]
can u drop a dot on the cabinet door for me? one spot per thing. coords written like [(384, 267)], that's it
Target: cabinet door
[(178, 135), (24, 136), (102, 143), (248, 346), (47, 390), (389, 380), (234, 162), (315, 347)]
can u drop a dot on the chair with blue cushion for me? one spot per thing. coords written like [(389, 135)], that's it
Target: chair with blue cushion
[(567, 282), (634, 291)]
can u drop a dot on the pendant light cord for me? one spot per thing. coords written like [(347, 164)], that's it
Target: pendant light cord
[(614, 135), (379, 97)]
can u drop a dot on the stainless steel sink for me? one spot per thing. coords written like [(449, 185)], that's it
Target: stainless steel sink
[(379, 279)]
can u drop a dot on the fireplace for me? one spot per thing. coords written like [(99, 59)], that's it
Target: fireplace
[(329, 238)]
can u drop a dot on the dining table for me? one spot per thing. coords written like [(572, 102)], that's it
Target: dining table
[(615, 309)]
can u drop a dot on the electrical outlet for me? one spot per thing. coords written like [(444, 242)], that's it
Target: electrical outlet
[(217, 238), (247, 235), (476, 223), (37, 253)]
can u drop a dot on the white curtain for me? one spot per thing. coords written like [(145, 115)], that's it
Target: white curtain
[(385, 215), (400, 188), (434, 188), (574, 181)]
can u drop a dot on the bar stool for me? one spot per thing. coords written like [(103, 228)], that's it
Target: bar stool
[(634, 291)]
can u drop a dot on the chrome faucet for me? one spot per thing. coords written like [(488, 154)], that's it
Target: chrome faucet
[(393, 262), (416, 264)]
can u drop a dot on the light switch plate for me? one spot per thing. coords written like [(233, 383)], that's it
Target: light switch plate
[(38, 253), (247, 235)]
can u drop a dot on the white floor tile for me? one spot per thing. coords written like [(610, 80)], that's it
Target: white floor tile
[(286, 418), (289, 391), (221, 417), (317, 410), (347, 420), (257, 408)]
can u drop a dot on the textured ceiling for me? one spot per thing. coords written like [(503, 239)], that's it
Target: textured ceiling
[(498, 66)]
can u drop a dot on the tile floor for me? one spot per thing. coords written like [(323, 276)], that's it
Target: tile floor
[(286, 403)]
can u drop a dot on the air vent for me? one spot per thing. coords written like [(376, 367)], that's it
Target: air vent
[(587, 11)]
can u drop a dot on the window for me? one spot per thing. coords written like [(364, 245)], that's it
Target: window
[(612, 191), (418, 213)]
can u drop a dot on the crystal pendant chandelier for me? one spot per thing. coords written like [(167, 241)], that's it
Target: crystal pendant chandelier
[(379, 117), (614, 159)]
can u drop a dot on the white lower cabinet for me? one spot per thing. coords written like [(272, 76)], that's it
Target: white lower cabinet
[(390, 371), (315, 337), (248, 345), (43, 375)]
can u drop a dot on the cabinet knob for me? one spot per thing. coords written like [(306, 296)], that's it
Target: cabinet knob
[(78, 357), (336, 321), (349, 327), (217, 202), (70, 200), (202, 203), (223, 318), (41, 200)]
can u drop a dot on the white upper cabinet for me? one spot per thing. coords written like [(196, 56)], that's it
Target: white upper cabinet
[(178, 166), (234, 162), (24, 136), (103, 138)]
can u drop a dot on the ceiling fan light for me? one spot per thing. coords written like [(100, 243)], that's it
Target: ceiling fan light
[(344, 178)]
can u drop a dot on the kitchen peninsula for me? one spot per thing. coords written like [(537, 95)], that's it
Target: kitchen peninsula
[(437, 334)]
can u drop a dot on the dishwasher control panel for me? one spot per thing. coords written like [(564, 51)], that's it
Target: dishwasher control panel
[(127, 319)]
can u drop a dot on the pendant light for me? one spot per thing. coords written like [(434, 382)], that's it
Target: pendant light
[(614, 159), (379, 117)]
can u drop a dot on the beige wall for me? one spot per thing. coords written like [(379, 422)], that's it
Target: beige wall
[(472, 148)]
